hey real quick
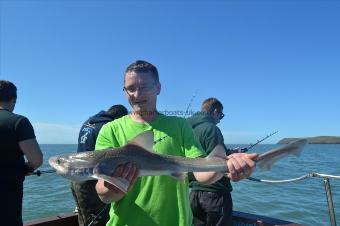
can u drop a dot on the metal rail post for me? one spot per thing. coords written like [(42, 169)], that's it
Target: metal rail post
[(329, 201)]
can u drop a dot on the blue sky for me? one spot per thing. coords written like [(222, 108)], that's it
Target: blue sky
[(275, 65)]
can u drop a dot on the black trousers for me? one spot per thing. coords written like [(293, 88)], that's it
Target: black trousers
[(89, 205), (211, 209), (11, 197)]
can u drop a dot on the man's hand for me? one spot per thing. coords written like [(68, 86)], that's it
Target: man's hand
[(109, 193), (241, 165), (128, 172), (28, 169)]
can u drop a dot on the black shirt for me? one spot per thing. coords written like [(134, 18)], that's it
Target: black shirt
[(13, 129), (90, 130)]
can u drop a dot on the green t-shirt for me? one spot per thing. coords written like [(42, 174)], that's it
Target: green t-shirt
[(153, 200)]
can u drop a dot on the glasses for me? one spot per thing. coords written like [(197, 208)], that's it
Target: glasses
[(142, 89), (221, 116)]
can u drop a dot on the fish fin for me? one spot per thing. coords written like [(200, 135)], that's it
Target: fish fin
[(178, 176), (121, 183), (218, 151), (267, 166), (144, 140), (266, 160)]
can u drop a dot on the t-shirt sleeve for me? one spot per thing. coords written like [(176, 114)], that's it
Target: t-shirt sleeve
[(24, 130), (213, 138), (192, 147), (106, 138)]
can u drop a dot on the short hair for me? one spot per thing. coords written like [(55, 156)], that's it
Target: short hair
[(117, 111), (210, 104), (143, 66), (8, 91)]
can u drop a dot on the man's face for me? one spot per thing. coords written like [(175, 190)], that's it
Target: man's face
[(218, 115), (141, 91)]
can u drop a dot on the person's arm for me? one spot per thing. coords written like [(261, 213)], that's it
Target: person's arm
[(28, 144), (32, 152), (240, 166), (211, 177), (207, 177)]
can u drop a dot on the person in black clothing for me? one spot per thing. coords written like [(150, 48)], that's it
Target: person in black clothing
[(90, 208), (17, 141), (210, 204)]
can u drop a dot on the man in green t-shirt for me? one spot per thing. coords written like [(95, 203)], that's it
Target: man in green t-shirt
[(155, 200)]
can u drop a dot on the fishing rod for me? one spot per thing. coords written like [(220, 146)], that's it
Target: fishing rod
[(39, 172), (189, 105), (259, 141)]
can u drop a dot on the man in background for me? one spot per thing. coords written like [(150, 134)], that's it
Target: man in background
[(210, 204), (90, 208), (17, 141)]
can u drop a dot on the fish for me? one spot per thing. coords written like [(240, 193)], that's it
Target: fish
[(94, 165)]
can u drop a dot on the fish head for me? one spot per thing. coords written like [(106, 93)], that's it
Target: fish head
[(74, 167)]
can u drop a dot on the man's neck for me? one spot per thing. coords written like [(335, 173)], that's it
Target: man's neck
[(8, 105), (144, 116), (213, 118), (5, 107)]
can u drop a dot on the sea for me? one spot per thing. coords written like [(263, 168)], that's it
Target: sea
[(302, 202)]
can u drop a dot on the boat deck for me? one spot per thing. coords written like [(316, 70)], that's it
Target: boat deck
[(240, 219)]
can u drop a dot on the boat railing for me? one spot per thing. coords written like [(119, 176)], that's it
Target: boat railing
[(327, 185)]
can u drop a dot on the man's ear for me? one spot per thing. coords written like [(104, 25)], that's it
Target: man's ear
[(13, 101), (159, 87), (215, 112)]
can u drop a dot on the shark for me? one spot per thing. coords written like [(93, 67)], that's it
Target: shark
[(94, 165)]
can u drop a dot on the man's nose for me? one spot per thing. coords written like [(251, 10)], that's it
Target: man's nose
[(138, 93)]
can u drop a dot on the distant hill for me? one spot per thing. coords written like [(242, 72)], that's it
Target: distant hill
[(314, 140)]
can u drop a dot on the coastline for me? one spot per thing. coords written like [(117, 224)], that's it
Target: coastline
[(314, 140)]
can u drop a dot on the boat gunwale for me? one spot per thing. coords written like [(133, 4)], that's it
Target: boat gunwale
[(70, 218)]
